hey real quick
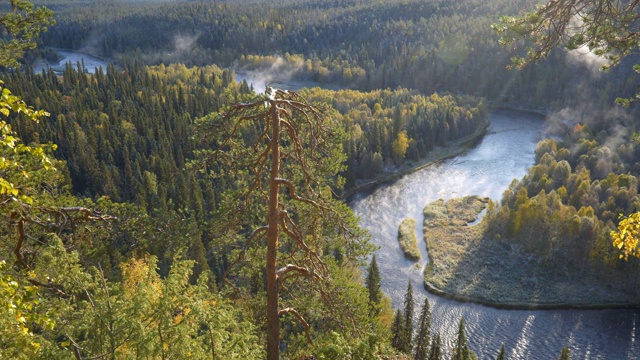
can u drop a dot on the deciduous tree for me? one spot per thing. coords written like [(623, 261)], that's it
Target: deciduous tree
[(627, 235)]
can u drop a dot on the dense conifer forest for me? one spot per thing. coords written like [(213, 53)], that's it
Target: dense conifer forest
[(138, 207), (430, 46)]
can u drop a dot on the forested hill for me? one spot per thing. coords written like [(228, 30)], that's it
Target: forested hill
[(424, 45), (128, 134)]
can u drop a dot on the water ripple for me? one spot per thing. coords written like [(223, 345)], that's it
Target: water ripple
[(506, 152)]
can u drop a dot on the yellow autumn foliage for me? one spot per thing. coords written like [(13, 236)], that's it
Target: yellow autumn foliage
[(627, 235)]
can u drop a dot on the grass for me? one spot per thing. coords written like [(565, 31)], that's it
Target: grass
[(407, 239), (467, 265)]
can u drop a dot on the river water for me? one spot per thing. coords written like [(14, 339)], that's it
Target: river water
[(90, 63), (505, 153)]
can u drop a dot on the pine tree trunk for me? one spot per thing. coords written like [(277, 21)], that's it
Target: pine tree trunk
[(273, 321)]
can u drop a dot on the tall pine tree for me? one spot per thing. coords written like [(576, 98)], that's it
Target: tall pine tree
[(565, 354), (424, 331), (408, 320), (373, 282), (435, 353), (397, 329), (461, 350), (502, 354)]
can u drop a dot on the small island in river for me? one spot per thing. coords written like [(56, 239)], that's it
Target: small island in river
[(407, 239), (467, 265)]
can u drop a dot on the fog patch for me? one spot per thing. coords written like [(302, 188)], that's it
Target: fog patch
[(613, 121), (562, 123), (267, 70), (184, 43), (93, 43), (609, 127), (454, 50), (586, 57), (617, 132)]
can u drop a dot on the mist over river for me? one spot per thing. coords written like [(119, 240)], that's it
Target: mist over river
[(91, 63), (505, 153)]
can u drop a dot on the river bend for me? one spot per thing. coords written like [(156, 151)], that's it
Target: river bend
[(505, 153)]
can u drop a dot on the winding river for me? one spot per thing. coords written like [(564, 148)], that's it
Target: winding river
[(504, 154)]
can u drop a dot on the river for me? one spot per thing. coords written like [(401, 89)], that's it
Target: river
[(90, 63), (504, 154)]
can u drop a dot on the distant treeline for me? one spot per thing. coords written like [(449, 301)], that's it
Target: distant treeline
[(427, 46)]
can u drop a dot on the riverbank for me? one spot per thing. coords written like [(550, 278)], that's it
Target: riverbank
[(467, 266), (435, 156)]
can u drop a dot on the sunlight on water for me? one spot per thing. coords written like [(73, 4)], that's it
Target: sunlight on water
[(506, 152), (522, 346)]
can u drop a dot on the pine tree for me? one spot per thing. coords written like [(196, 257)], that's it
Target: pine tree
[(565, 354), (373, 282), (397, 329), (502, 354), (408, 320), (290, 164), (461, 350), (435, 353), (424, 329), (198, 253)]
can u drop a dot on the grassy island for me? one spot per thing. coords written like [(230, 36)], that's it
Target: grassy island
[(407, 239), (467, 265)]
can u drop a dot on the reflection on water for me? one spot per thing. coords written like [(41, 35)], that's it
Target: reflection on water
[(487, 170)]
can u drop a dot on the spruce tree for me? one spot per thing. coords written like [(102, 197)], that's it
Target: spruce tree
[(502, 354), (424, 330), (435, 353), (461, 350), (373, 282), (565, 354), (397, 329), (408, 320)]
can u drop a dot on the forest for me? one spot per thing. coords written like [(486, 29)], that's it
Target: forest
[(430, 46), (139, 201)]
